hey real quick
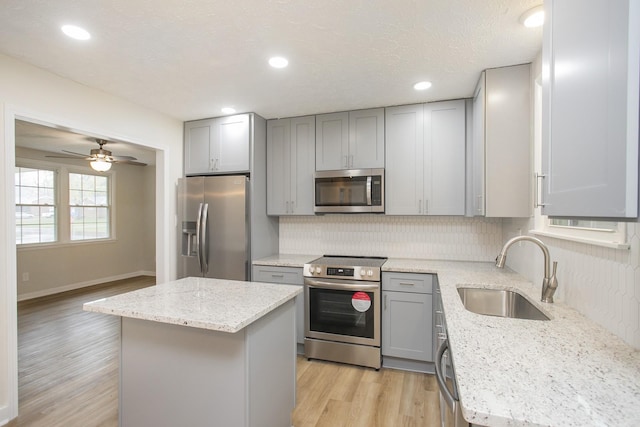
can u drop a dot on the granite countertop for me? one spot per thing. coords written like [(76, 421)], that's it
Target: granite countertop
[(286, 260), (218, 305), (567, 371)]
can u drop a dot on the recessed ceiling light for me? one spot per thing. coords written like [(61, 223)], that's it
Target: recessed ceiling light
[(76, 32), (533, 17), (278, 62), (228, 110), (422, 85)]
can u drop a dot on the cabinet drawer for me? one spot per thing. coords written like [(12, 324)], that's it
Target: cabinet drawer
[(407, 282), (283, 275)]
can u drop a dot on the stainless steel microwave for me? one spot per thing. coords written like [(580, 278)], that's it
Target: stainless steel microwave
[(349, 191)]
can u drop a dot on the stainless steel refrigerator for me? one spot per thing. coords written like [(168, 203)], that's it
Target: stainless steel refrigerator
[(214, 219)]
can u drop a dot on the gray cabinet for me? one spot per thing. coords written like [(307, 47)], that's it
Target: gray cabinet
[(591, 101), (219, 145), (350, 140), (290, 166), (285, 276), (502, 144), (425, 159), (407, 318)]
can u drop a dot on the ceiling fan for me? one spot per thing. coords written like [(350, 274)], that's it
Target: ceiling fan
[(99, 158)]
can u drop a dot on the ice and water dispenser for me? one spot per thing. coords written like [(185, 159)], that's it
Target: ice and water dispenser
[(189, 238)]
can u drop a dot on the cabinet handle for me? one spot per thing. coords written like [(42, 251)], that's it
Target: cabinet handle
[(350, 160), (286, 209), (212, 164), (438, 312), (346, 161), (293, 206), (537, 200), (479, 203), (407, 284), (280, 276), (385, 302), (419, 206)]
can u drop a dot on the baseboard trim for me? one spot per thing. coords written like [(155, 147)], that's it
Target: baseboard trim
[(5, 418), (73, 286)]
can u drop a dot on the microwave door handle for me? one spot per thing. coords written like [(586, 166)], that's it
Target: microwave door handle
[(369, 190)]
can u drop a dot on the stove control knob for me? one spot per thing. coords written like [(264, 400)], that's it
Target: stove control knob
[(370, 273), (318, 270), (363, 272), (311, 269)]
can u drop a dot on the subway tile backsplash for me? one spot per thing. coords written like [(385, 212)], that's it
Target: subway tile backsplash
[(449, 238)]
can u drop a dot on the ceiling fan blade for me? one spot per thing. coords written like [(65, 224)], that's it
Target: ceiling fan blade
[(130, 162), (74, 153), (70, 157), (124, 158)]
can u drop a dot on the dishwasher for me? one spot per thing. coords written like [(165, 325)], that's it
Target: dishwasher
[(450, 409)]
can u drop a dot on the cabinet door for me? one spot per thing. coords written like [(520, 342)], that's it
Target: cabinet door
[(197, 141), (302, 164), (407, 325), (230, 144), (278, 166), (508, 141), (477, 140), (590, 95), (332, 141), (366, 139), (444, 157), (286, 276), (404, 157)]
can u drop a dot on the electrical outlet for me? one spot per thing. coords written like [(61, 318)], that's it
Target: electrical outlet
[(25, 277)]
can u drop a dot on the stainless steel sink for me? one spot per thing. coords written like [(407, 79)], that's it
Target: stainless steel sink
[(499, 302)]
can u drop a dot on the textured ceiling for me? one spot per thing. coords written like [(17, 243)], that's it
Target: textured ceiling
[(189, 58)]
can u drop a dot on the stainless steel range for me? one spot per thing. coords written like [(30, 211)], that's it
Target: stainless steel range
[(342, 309)]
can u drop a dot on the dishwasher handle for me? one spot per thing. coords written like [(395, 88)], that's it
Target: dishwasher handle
[(451, 399)]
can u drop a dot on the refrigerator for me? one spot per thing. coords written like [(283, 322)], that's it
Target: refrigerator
[(214, 227)]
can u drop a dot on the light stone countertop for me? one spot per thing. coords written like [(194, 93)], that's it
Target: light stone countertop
[(568, 371), (286, 260), (218, 305)]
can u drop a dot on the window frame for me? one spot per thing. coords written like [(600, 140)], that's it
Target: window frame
[(108, 204), (63, 220), (56, 198)]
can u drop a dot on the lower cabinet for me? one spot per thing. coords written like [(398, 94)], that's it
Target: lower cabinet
[(285, 276), (407, 321)]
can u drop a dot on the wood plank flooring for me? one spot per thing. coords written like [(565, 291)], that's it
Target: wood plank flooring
[(68, 358), (68, 373)]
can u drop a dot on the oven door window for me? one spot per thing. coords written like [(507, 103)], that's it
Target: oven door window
[(342, 312), (341, 191)]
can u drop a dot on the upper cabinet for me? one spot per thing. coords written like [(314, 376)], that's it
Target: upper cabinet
[(502, 143), (219, 145), (290, 166), (425, 157), (590, 83), (350, 140)]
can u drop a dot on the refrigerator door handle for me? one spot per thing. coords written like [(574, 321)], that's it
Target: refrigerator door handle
[(199, 237), (205, 244)]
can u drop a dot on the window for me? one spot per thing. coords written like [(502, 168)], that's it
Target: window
[(89, 207), (35, 192)]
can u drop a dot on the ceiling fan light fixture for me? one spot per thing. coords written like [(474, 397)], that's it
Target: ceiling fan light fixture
[(100, 165)]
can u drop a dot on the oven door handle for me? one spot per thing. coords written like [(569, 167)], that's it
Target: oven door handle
[(340, 286)]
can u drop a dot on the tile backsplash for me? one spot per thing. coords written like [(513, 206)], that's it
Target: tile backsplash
[(450, 238)]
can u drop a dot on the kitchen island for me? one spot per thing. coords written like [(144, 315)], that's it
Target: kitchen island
[(202, 352)]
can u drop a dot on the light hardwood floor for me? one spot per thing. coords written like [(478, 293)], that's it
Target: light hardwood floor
[(68, 373)]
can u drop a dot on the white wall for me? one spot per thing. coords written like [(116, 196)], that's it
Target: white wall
[(57, 268), (33, 93)]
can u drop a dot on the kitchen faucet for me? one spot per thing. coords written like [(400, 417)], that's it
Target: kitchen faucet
[(550, 282)]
